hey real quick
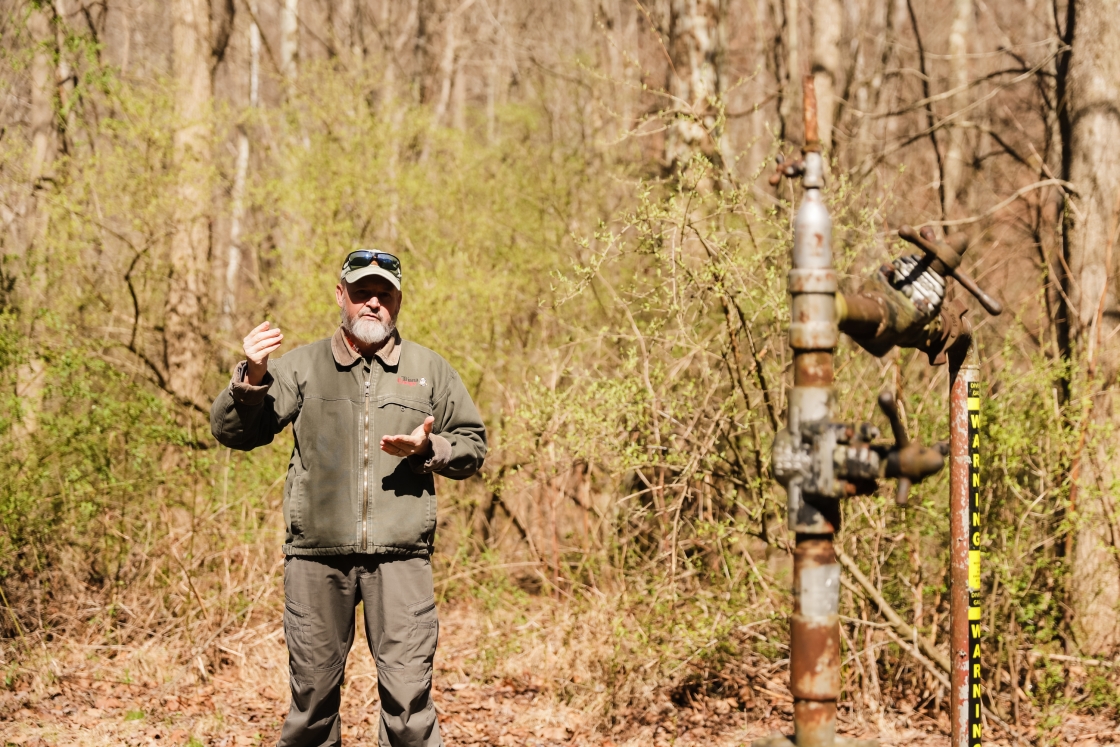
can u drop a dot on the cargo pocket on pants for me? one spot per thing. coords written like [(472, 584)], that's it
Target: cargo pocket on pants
[(296, 624), (422, 639)]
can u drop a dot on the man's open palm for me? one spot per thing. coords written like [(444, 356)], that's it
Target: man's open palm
[(418, 442)]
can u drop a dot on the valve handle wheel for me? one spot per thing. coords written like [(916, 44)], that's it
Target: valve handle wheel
[(949, 258)]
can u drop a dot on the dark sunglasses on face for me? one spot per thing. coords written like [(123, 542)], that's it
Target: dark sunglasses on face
[(365, 258)]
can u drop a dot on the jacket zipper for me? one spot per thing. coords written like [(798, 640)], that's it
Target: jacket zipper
[(365, 464)]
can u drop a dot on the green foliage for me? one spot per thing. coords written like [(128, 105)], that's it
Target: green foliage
[(91, 467), (627, 330), (1102, 695)]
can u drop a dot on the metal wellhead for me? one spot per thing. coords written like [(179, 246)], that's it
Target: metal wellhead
[(820, 462)]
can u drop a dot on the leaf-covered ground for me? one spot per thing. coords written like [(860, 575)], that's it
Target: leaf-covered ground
[(144, 695)]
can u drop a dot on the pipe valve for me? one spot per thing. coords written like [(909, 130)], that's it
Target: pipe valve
[(790, 170), (904, 303), (837, 460)]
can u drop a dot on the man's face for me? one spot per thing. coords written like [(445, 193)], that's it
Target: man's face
[(369, 309), (370, 297)]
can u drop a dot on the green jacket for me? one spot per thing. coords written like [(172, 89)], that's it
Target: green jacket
[(343, 494)]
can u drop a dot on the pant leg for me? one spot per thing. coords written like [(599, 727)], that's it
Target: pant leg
[(320, 594), (402, 629)]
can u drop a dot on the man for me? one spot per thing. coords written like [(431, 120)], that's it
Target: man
[(373, 418)]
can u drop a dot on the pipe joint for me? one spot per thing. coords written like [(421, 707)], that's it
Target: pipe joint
[(813, 177), (817, 280)]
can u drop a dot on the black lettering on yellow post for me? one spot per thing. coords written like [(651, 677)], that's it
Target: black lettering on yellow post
[(974, 537)]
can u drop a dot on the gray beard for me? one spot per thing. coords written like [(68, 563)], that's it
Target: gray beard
[(367, 330)]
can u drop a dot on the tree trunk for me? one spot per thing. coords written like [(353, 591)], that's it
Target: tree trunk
[(237, 212), (857, 50), (41, 117), (345, 18), (760, 86), (289, 39), (828, 22), (447, 64), (958, 81), (694, 81), (1090, 129), (790, 89), (393, 105), (459, 97), (614, 17), (44, 144), (190, 244), (493, 76), (254, 57), (67, 79)]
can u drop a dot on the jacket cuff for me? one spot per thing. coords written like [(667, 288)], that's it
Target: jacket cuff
[(435, 460), (243, 392)]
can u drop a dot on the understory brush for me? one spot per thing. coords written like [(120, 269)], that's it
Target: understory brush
[(624, 336)]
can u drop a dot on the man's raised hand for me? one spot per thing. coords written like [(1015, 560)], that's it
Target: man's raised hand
[(258, 345), (418, 442)]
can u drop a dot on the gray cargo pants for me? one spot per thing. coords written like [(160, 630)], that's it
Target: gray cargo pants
[(320, 596)]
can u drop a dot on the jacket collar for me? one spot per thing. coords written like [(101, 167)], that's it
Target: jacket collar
[(345, 354)]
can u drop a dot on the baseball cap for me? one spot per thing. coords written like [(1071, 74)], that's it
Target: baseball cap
[(366, 262)]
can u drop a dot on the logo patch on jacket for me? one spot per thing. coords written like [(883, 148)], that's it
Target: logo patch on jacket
[(409, 381)]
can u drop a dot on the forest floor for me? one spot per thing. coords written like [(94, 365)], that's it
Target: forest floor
[(145, 695)]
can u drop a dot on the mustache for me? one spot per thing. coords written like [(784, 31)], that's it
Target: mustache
[(367, 327)]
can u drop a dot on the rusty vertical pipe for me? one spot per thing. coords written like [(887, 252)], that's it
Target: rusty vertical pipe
[(964, 374), (813, 334), (809, 104), (814, 667)]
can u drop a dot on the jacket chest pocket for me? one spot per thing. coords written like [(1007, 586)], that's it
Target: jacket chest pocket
[(400, 416)]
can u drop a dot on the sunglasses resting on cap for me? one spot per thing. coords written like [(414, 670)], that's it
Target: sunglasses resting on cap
[(366, 262)]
